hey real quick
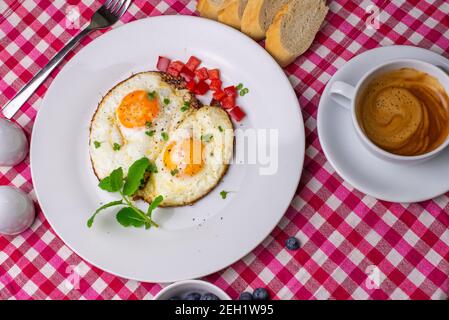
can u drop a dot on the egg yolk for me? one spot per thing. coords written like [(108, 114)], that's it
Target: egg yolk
[(184, 158), (137, 109)]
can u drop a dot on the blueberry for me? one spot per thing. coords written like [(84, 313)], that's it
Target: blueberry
[(246, 296), (193, 296), (174, 298), (209, 296), (292, 243), (261, 294)]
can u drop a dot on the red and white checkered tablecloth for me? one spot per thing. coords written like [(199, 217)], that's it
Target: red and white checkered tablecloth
[(350, 242)]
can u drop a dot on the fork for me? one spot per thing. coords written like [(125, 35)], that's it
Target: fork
[(108, 14)]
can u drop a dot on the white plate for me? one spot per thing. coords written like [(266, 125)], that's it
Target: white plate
[(192, 241), (354, 163)]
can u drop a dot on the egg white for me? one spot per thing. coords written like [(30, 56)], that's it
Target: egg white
[(134, 143), (180, 190)]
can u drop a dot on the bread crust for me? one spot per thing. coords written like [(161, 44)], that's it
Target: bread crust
[(209, 9), (250, 24), (273, 43), (230, 14)]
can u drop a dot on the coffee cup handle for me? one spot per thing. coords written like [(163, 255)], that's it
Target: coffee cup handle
[(342, 93)]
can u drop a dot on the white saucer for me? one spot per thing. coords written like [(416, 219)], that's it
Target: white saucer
[(354, 163)]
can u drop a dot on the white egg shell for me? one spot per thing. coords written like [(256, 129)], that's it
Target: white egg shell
[(16, 211), (14, 145)]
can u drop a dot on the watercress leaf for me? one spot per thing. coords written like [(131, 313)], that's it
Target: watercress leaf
[(107, 205), (128, 217), (113, 182), (135, 175), (154, 204), (152, 167)]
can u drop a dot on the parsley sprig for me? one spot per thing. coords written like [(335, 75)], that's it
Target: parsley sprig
[(224, 194), (242, 90), (129, 215)]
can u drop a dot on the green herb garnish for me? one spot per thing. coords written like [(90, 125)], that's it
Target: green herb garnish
[(116, 146), (129, 215), (152, 167), (242, 91), (220, 129), (150, 133), (186, 106), (136, 173), (113, 182), (151, 95), (148, 124), (224, 194), (207, 137), (97, 144), (174, 172), (164, 136), (166, 101)]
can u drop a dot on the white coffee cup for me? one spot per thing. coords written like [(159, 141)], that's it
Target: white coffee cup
[(348, 96)]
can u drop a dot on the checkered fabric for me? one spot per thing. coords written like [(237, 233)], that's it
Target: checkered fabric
[(353, 246)]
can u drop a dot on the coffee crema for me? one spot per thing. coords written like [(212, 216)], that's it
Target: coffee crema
[(405, 112)]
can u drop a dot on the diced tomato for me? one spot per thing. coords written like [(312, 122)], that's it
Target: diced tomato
[(219, 94), (175, 68), (177, 65), (230, 91), (228, 102), (202, 74), (215, 85), (191, 85), (214, 74), (173, 71), (187, 74), (201, 87), (237, 113), (162, 64), (193, 63)]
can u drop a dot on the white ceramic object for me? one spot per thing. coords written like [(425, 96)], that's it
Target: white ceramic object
[(192, 241), (13, 143), (16, 211), (368, 173), (353, 94), (181, 288)]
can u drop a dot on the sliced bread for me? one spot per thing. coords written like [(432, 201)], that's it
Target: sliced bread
[(294, 28), (258, 16), (232, 13), (210, 8)]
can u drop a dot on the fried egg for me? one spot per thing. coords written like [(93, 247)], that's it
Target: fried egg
[(194, 159), (134, 119)]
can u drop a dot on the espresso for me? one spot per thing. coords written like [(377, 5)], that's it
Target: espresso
[(405, 112)]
